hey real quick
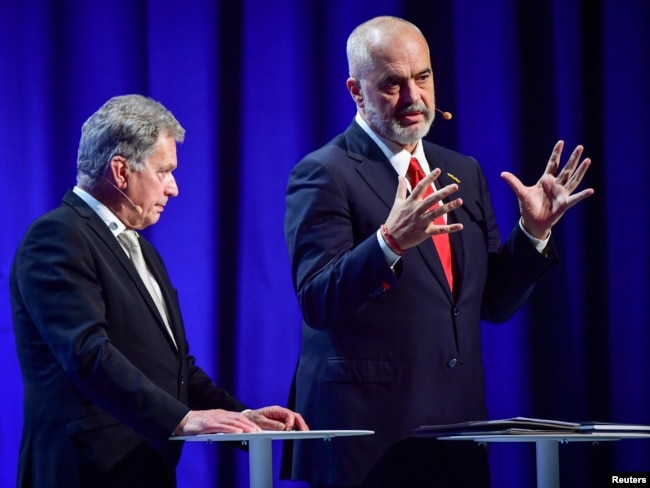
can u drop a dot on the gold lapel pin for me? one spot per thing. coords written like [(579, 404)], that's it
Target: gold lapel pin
[(453, 177)]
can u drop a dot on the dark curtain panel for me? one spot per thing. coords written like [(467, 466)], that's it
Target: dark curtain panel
[(259, 84)]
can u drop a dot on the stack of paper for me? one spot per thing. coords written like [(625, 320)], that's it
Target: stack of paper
[(523, 425)]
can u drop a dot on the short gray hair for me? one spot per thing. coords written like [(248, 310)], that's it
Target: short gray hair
[(366, 35), (127, 126)]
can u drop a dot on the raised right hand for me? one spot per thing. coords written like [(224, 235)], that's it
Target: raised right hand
[(410, 220)]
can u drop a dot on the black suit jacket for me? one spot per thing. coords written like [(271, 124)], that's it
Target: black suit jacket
[(101, 374), (382, 350)]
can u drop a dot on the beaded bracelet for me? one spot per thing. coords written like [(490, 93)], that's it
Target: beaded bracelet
[(391, 242)]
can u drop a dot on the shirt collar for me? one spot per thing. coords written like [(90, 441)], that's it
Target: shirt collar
[(108, 217), (398, 156)]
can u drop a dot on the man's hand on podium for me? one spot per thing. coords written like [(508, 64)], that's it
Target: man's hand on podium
[(226, 422), (276, 418)]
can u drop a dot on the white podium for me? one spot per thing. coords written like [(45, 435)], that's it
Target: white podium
[(260, 447), (546, 448)]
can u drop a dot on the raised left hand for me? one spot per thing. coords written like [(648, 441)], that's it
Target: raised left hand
[(543, 204)]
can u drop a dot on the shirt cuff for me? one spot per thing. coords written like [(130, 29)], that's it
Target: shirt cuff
[(389, 254), (179, 428), (540, 244)]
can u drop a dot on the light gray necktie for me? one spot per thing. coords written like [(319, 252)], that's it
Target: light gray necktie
[(130, 239)]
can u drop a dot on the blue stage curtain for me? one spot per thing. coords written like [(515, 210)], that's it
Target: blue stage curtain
[(259, 84)]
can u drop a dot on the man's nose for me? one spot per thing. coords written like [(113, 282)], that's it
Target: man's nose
[(172, 188), (410, 92)]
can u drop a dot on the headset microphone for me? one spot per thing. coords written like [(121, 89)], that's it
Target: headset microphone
[(445, 115), (136, 207)]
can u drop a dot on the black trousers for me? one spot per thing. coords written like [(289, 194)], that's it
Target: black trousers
[(143, 467), (429, 463)]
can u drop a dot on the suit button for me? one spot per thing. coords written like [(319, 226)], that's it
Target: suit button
[(452, 362), (456, 312)]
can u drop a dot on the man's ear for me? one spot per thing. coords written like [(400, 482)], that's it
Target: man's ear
[(354, 87), (119, 171)]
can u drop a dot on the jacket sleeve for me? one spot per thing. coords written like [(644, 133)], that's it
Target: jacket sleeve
[(513, 272), (334, 276)]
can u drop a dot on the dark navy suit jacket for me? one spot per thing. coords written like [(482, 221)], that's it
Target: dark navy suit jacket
[(101, 374), (390, 350)]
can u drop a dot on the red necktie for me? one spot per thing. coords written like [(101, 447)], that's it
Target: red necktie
[(414, 174)]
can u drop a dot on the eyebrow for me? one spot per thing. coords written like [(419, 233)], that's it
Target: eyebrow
[(393, 77), (166, 167)]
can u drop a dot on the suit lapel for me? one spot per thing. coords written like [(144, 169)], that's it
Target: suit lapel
[(373, 166), (459, 245), (168, 293), (101, 230), (427, 248), (380, 175)]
